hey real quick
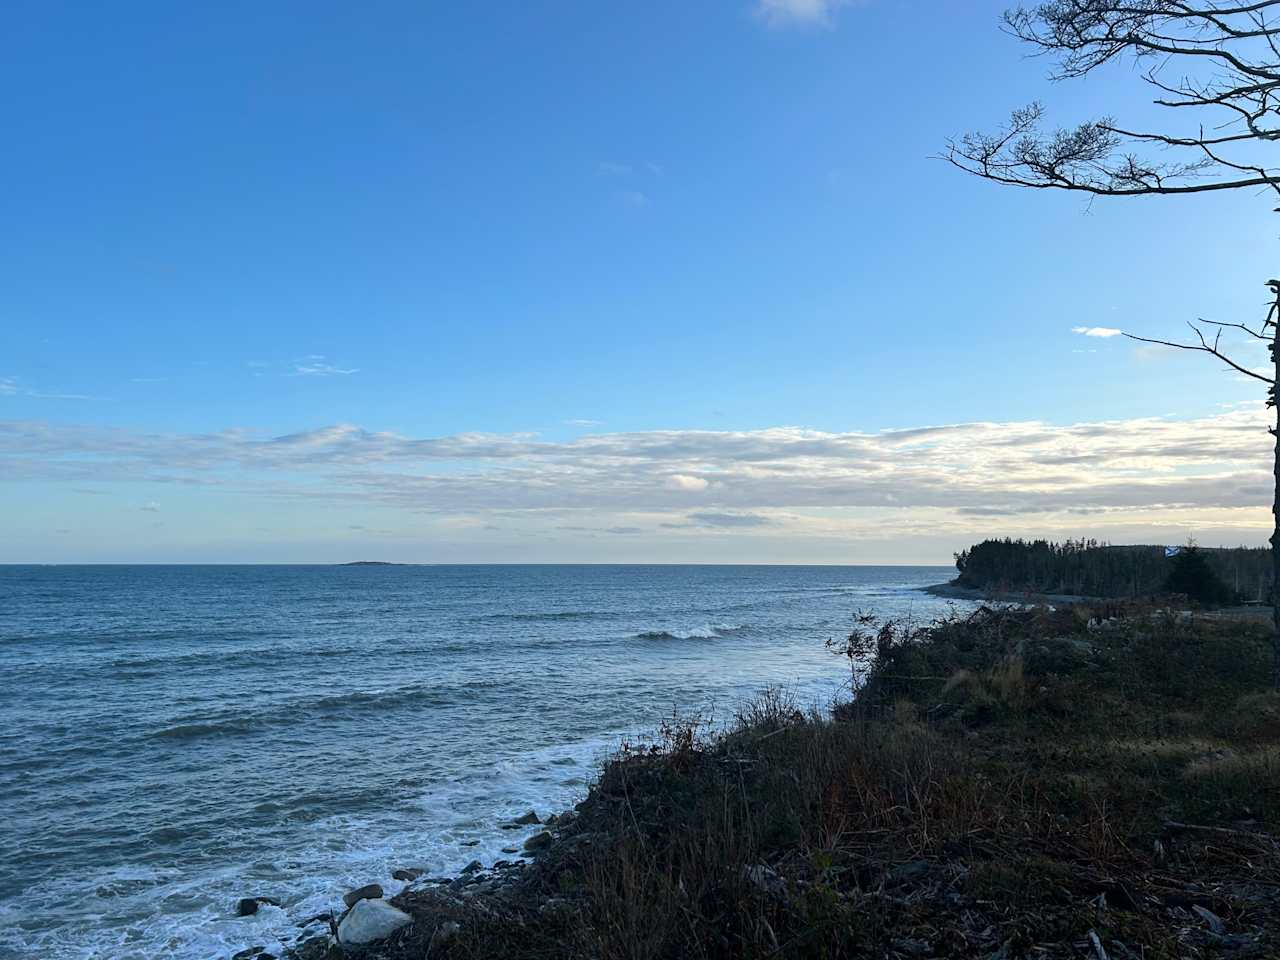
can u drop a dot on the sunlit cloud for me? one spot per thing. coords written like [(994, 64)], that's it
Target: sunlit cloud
[(682, 481), (1097, 331), (1115, 477)]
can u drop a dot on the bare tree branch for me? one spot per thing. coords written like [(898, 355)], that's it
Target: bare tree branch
[(1205, 347), (1228, 56)]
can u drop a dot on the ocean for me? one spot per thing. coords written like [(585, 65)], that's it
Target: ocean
[(173, 738)]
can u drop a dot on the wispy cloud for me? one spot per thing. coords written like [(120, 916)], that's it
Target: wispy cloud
[(10, 387), (709, 519), (317, 366), (788, 13), (583, 422), (608, 168), (150, 507), (1097, 331)]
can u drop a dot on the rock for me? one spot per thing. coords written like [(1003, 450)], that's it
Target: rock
[(446, 932), (407, 875), (567, 817), (248, 906), (510, 849), (371, 920), (472, 867), (526, 819), (539, 841), (253, 953), (370, 891)]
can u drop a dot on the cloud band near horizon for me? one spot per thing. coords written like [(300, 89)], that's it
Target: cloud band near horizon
[(783, 481)]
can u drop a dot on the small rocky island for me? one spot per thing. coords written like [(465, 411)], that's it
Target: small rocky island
[(373, 563)]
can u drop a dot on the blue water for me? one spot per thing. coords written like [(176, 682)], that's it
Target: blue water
[(175, 737)]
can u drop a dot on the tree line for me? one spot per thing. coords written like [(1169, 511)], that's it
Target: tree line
[(1089, 568)]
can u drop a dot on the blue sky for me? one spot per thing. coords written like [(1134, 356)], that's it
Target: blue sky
[(561, 231)]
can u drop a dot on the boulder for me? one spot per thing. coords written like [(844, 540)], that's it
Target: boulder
[(371, 920), (526, 819), (539, 841), (472, 867), (406, 874), (370, 891), (248, 906)]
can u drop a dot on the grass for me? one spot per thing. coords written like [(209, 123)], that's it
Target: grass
[(1019, 783)]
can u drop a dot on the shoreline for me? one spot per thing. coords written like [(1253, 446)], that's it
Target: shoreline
[(953, 591), (973, 762)]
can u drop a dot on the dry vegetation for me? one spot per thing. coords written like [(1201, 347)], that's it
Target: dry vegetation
[(1016, 784)]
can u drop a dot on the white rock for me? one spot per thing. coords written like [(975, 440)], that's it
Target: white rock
[(371, 920)]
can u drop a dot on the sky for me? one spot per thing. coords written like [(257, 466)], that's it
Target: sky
[(554, 281)]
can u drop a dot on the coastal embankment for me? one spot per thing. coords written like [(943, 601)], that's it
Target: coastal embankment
[(1018, 782)]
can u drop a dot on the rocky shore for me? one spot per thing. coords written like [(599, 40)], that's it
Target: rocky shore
[(1021, 783)]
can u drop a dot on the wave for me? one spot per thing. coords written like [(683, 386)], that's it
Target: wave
[(546, 616), (304, 710), (192, 731), (711, 632)]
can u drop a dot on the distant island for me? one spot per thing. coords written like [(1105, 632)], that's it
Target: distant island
[(373, 563)]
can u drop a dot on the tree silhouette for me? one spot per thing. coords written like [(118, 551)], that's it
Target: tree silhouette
[(1191, 576), (1215, 64)]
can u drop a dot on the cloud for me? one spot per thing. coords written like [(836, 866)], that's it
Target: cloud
[(583, 423), (786, 13), (1017, 476), (636, 199), (316, 366), (609, 169), (9, 387), (150, 507), (1097, 331), (682, 481), (707, 519)]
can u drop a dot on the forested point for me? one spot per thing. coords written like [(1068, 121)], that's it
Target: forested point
[(1213, 576)]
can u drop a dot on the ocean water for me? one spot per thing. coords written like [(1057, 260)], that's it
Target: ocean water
[(173, 738)]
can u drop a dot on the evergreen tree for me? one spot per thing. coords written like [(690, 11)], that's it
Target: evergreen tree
[(1191, 576)]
